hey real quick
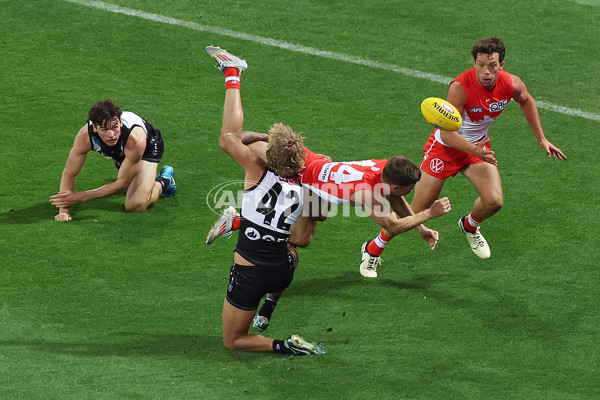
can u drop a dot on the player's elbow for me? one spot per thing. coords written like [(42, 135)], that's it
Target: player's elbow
[(223, 142), (226, 140)]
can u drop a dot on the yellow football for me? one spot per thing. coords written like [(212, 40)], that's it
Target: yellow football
[(441, 114)]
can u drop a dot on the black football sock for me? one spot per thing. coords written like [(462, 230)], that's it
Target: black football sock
[(164, 182), (267, 308), (280, 348)]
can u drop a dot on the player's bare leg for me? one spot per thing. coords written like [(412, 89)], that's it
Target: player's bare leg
[(235, 331), (427, 190), (144, 190), (486, 180), (233, 113)]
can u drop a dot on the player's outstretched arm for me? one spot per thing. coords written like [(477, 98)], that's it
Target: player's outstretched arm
[(403, 209), (438, 208), (530, 110), (392, 222), (130, 167), (74, 164)]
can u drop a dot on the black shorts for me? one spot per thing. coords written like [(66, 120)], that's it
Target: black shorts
[(249, 284)]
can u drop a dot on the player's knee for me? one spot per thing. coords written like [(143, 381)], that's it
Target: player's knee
[(135, 206), (494, 204), (230, 344)]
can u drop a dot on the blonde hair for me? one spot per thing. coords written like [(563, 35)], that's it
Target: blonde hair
[(285, 152)]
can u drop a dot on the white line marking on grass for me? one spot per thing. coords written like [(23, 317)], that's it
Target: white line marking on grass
[(306, 50)]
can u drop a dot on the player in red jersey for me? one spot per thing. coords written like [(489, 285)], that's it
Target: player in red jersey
[(480, 94), (368, 183)]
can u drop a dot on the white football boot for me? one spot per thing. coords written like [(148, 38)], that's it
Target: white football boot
[(369, 263), (301, 347), (223, 226), (225, 59), (476, 241)]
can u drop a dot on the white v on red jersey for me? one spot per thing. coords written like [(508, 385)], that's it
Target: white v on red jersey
[(337, 181)]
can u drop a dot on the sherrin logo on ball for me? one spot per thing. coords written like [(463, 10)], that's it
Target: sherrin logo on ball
[(441, 114)]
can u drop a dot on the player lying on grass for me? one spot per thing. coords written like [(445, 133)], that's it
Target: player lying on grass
[(368, 183), (136, 148), (272, 202), (480, 94)]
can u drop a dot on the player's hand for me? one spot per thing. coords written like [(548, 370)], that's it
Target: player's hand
[(65, 199), (63, 217), (430, 235), (552, 151), (485, 154), (440, 207)]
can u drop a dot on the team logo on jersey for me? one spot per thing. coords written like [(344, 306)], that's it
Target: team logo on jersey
[(436, 165), (498, 106), (476, 109), (252, 233)]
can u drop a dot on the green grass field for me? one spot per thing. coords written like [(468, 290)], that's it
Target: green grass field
[(128, 306)]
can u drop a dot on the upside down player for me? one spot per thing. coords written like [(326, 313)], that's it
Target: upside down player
[(480, 94), (272, 201), (367, 183)]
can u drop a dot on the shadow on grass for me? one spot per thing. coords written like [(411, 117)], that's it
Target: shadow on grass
[(46, 211), (132, 345), (29, 215), (345, 279), (513, 316)]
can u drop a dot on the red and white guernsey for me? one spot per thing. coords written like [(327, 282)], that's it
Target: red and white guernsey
[(482, 106), (337, 181)]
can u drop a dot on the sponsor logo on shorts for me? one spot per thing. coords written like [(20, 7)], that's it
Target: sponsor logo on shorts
[(436, 165)]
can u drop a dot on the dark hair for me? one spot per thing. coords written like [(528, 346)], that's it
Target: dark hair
[(400, 171), (489, 45), (103, 112)]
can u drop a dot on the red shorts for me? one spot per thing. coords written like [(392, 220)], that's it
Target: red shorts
[(443, 161)]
